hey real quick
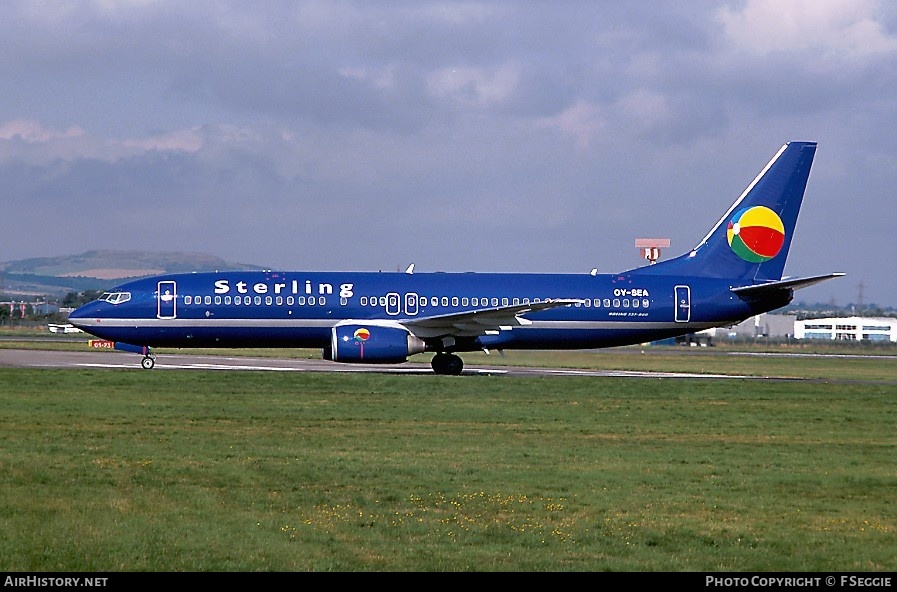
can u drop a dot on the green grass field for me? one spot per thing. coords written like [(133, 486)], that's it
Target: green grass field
[(129, 470)]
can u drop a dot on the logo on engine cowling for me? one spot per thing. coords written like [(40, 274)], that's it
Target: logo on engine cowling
[(360, 336)]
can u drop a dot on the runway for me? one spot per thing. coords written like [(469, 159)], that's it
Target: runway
[(20, 358)]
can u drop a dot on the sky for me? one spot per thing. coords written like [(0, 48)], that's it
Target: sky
[(459, 136)]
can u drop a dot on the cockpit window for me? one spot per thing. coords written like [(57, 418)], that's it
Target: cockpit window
[(115, 297)]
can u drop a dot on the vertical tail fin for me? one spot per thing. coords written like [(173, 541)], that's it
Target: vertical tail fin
[(751, 241)]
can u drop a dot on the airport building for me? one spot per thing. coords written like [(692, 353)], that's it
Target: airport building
[(778, 326), (765, 325), (848, 328), (786, 326)]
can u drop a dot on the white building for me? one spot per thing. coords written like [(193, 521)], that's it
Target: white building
[(764, 325), (848, 328)]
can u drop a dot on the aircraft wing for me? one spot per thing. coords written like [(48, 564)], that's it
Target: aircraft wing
[(484, 321), (787, 283)]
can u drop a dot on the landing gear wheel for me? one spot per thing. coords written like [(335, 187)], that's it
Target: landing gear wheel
[(448, 364), (148, 363)]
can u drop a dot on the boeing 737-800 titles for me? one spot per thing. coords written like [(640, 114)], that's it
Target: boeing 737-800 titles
[(733, 273)]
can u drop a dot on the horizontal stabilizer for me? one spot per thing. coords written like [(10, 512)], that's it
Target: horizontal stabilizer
[(792, 283)]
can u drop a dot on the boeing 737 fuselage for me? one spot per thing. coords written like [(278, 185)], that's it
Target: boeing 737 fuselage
[(734, 273)]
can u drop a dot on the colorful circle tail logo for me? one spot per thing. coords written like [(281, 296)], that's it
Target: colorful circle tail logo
[(756, 234)]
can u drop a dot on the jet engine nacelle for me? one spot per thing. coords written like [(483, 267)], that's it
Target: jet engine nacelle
[(375, 342)]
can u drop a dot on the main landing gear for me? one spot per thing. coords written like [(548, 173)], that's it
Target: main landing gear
[(148, 361), (444, 363)]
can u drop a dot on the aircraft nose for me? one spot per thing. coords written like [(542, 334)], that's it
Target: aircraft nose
[(79, 317)]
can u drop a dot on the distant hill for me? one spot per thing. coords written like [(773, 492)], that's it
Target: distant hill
[(99, 270)]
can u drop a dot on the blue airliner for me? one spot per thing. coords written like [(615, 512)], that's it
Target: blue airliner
[(733, 273)]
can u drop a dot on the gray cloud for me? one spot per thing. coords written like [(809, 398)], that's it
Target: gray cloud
[(462, 136)]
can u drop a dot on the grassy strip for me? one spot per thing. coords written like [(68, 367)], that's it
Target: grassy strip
[(747, 362), (213, 471)]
